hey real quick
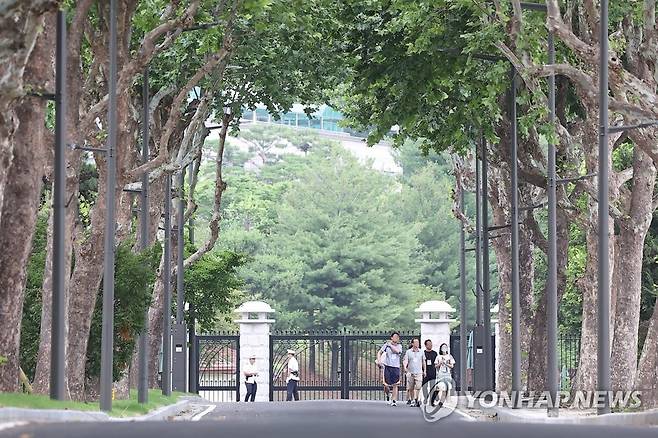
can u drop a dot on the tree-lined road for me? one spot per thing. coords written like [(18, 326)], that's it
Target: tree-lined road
[(317, 419)]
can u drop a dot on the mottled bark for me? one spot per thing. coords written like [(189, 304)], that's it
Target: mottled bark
[(646, 379), (19, 207), (21, 23), (538, 344), (156, 327), (41, 382), (84, 284), (526, 285), (499, 203), (628, 271), (587, 368)]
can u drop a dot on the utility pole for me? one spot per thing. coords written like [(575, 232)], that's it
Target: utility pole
[(552, 374), (514, 224), (57, 332), (180, 229), (478, 242), (462, 298), (166, 304), (603, 314), (192, 385), (486, 297), (107, 332), (142, 383), (180, 379)]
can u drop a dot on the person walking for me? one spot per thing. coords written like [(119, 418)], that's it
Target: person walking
[(250, 372), (388, 356), (444, 364), (413, 366), (409, 394), (429, 368), (293, 377)]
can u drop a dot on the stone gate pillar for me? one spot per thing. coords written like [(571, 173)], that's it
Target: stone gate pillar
[(255, 340), (435, 323)]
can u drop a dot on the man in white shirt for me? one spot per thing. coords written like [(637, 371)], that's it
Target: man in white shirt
[(413, 365), (293, 377), (250, 372)]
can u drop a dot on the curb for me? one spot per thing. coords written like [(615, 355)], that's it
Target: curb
[(161, 413), (646, 418), (465, 415), (9, 415)]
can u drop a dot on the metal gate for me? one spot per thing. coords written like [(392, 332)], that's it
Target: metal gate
[(332, 365), (218, 365)]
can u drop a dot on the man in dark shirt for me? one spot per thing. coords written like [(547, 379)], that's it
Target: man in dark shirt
[(429, 369)]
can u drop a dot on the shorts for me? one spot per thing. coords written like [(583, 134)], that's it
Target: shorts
[(414, 381), (444, 381), (391, 375)]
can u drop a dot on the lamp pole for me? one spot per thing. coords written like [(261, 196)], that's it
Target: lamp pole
[(462, 298), (166, 303), (552, 374), (603, 314), (57, 332), (514, 223), (142, 383), (107, 332), (486, 297)]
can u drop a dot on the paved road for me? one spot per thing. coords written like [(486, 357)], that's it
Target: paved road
[(321, 419)]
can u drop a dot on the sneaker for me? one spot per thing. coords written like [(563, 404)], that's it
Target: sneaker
[(412, 404), (393, 403), (440, 405), (408, 402), (387, 397)]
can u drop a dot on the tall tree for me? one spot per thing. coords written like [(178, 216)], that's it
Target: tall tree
[(338, 256)]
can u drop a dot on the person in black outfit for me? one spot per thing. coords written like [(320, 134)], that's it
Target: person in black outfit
[(429, 369)]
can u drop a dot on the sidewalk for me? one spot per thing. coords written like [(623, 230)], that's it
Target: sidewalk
[(185, 408), (572, 416), (565, 416)]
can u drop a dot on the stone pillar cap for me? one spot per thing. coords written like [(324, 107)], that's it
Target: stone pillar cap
[(254, 307), (260, 308), (435, 306)]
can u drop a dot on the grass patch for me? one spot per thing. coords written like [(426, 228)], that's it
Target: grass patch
[(120, 408)]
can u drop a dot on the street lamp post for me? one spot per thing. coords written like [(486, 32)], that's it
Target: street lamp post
[(180, 378), (107, 332), (514, 224), (192, 384), (552, 374), (603, 314), (486, 297), (462, 298), (142, 359), (57, 332), (166, 303)]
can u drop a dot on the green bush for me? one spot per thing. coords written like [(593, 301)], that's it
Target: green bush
[(135, 275)]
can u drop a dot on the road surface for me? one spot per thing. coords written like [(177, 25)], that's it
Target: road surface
[(319, 419)]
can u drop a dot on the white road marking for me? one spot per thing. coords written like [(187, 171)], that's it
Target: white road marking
[(12, 424), (200, 415)]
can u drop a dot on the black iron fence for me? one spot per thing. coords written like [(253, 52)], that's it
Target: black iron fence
[(218, 365), (568, 358), (332, 364)]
